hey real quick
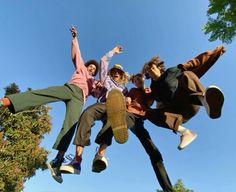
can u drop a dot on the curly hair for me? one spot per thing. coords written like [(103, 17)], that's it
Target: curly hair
[(93, 62), (154, 61), (124, 79)]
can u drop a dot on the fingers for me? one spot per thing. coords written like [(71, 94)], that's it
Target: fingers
[(73, 31), (222, 48), (118, 49), (72, 28), (147, 90), (98, 84)]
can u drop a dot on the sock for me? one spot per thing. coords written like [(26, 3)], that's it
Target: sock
[(182, 130), (202, 100), (78, 158), (4, 102)]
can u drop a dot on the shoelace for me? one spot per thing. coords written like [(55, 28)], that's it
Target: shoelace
[(69, 157)]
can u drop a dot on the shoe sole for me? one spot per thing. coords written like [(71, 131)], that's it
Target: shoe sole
[(98, 166), (69, 170), (190, 141), (58, 179), (215, 100), (116, 114)]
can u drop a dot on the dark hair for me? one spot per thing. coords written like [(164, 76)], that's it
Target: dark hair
[(154, 61), (132, 77), (94, 62)]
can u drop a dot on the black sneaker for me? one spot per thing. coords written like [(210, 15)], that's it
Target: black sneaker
[(54, 167), (214, 100)]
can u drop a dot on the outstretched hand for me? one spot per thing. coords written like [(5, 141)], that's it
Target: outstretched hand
[(73, 31), (147, 90), (118, 49)]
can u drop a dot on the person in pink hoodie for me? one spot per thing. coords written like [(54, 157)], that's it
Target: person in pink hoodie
[(111, 79), (73, 94)]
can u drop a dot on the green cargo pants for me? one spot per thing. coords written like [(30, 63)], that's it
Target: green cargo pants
[(69, 93)]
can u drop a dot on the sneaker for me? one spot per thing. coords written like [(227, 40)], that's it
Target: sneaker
[(186, 138), (214, 100), (100, 163), (54, 167), (116, 115), (74, 167)]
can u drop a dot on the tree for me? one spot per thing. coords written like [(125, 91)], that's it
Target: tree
[(179, 187), (221, 20), (20, 136)]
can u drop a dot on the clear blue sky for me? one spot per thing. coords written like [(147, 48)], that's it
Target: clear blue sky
[(35, 52)]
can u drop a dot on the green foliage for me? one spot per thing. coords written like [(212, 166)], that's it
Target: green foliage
[(221, 20), (13, 88), (20, 136), (179, 187)]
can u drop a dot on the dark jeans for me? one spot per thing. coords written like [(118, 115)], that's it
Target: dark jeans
[(137, 127)]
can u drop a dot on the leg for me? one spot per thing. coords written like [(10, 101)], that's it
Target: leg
[(212, 98), (23, 101), (73, 111), (104, 139), (203, 62), (173, 122), (105, 134), (163, 118), (82, 138), (93, 113), (154, 154)]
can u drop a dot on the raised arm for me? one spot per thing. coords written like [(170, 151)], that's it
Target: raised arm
[(105, 62), (75, 51)]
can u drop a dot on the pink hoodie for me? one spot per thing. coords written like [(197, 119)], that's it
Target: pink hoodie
[(81, 77)]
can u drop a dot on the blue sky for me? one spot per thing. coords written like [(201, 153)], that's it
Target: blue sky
[(35, 52)]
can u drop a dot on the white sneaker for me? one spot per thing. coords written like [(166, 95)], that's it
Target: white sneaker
[(186, 138), (213, 101), (100, 163)]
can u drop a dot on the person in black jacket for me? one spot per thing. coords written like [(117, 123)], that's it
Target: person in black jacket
[(178, 90)]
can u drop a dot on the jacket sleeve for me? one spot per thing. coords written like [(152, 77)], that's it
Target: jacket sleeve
[(203, 62), (75, 54), (104, 66)]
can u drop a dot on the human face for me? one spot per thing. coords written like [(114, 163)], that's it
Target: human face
[(138, 82), (91, 69), (116, 74), (154, 72)]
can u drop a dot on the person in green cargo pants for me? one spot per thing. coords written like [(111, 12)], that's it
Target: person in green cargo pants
[(73, 94)]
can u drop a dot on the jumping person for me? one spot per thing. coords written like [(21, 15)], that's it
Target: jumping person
[(115, 78), (73, 94), (138, 100), (180, 92)]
